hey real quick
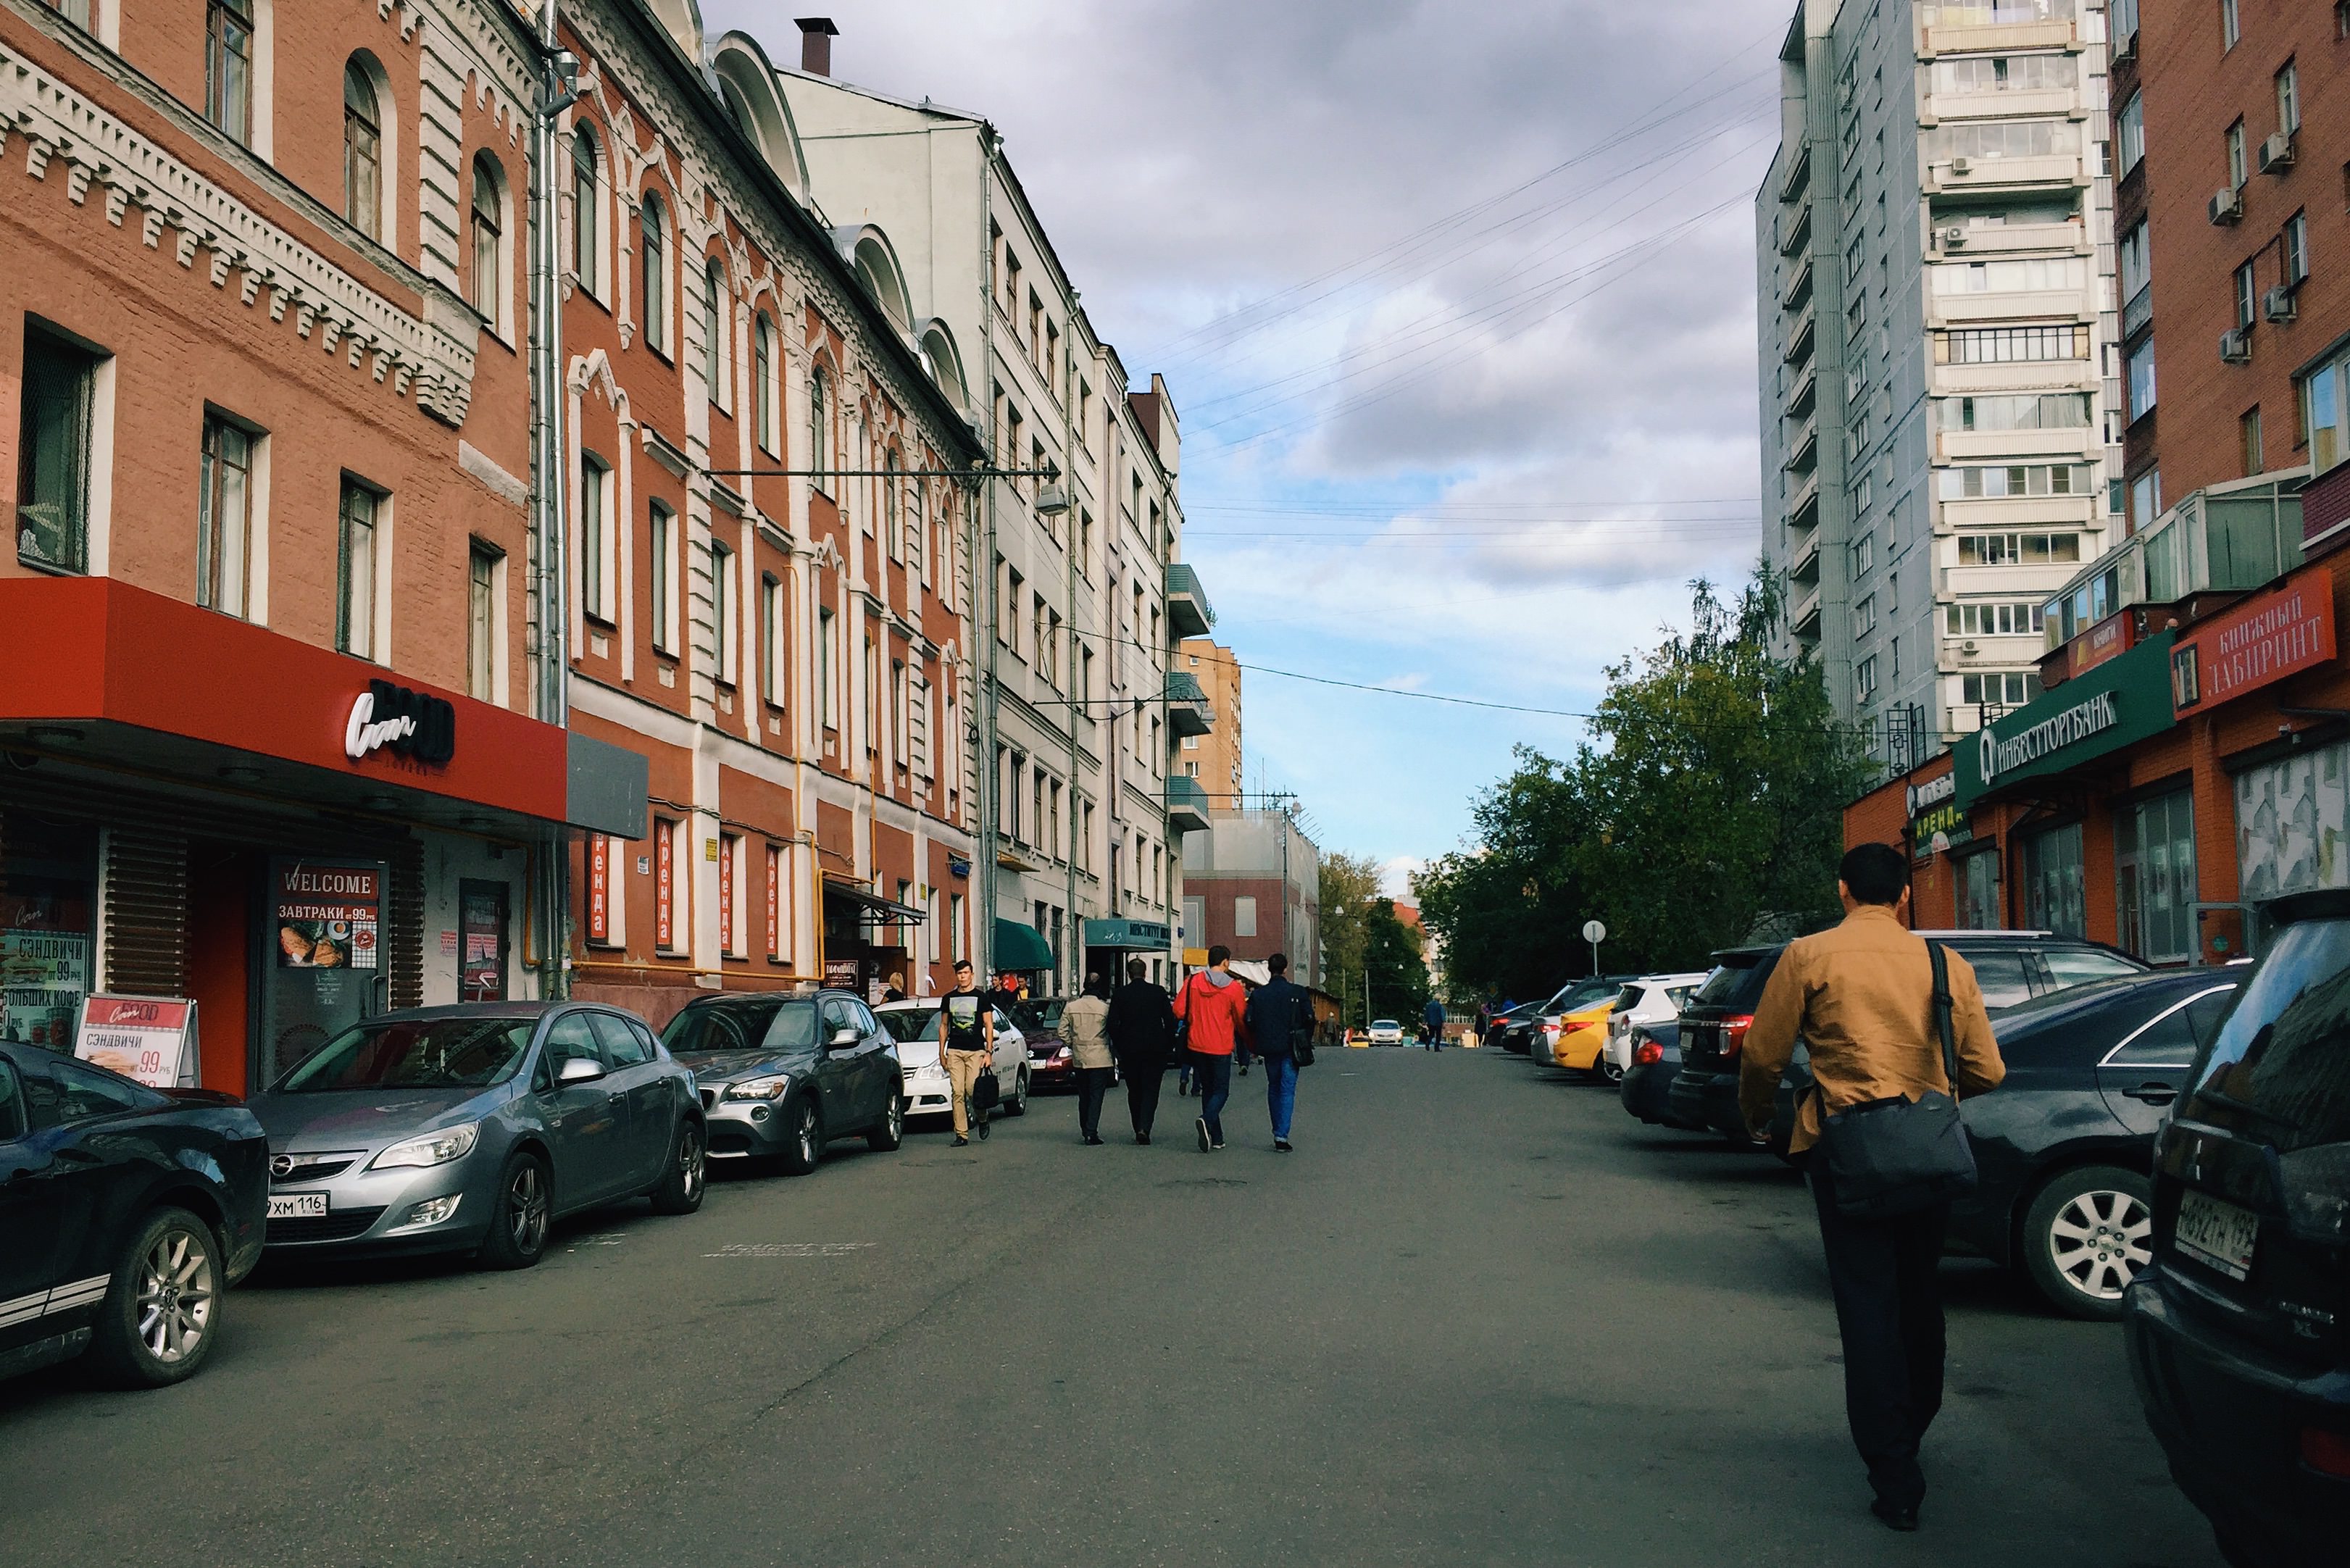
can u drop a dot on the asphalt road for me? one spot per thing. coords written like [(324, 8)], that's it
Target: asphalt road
[(1479, 1317)]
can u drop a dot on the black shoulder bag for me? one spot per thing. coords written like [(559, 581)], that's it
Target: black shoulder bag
[(1301, 1030), (1899, 1155)]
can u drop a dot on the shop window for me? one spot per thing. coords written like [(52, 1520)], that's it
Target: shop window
[(2289, 825), (53, 452), (228, 67), (355, 570), (362, 150), (49, 909), (1978, 907), (484, 566), (2053, 895), (224, 520)]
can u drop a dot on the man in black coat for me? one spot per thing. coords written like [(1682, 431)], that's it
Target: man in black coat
[(1143, 1037), (1279, 1015)]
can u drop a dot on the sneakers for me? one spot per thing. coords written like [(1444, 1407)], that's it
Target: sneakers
[(1093, 1137), (962, 1142), (982, 1130), (1202, 1125), (1282, 1144)]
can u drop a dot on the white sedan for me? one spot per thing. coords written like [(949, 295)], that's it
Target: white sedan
[(1652, 999), (1385, 1032), (914, 1024)]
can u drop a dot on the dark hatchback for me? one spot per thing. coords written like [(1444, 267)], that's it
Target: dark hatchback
[(125, 1215), (782, 1076), (1646, 1087), (2239, 1332), (2010, 968)]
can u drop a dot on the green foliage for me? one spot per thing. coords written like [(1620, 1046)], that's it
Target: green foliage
[(1348, 885), (1398, 976), (1706, 803)]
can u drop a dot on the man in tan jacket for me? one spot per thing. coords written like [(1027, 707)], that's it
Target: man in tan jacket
[(1860, 996)]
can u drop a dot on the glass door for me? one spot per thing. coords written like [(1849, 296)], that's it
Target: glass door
[(321, 955)]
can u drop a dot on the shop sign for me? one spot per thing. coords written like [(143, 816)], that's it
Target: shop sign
[(600, 887), (326, 915), (775, 903), (664, 883), (2103, 642), (150, 1038), (2122, 701), (1936, 821), (411, 724), (841, 973), (2267, 637), (44, 975), (482, 914)]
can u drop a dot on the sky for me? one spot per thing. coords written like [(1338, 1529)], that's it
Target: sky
[(1456, 307)]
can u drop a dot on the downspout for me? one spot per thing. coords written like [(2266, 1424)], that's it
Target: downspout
[(547, 488), (1076, 709), (983, 939)]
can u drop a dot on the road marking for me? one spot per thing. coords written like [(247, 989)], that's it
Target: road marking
[(604, 1238), (790, 1249)]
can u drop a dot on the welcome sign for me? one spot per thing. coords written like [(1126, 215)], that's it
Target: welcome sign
[(2102, 710)]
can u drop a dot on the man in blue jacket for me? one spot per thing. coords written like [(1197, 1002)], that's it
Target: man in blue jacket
[(1279, 1015), (1435, 1024)]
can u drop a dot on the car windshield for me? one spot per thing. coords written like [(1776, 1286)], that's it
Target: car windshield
[(1582, 994), (415, 1053), (909, 1024), (766, 1023), (2279, 1066), (1738, 983), (1383, 1023)]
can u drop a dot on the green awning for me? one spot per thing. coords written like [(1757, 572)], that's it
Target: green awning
[(1020, 946)]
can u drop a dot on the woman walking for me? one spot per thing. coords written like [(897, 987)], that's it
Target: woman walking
[(1085, 1027)]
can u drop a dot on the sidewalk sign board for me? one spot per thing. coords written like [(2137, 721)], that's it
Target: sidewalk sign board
[(150, 1038)]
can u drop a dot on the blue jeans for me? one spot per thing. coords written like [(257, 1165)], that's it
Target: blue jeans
[(1281, 1091), (1215, 1077)]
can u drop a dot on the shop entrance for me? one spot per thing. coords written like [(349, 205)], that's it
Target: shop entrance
[(322, 969)]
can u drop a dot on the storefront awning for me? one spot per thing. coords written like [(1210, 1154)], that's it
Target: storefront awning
[(1019, 946), (872, 908), (1128, 936), (2102, 710)]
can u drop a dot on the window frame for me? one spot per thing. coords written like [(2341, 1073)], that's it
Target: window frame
[(214, 469), (652, 255), (768, 430), (363, 152), (660, 542), (486, 220), (71, 402), (231, 31), (482, 603), (593, 534), (355, 634), (587, 210)]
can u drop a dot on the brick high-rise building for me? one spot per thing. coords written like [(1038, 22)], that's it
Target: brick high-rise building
[(1215, 758)]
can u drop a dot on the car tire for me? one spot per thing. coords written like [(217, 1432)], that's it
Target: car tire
[(890, 1132), (1017, 1106), (687, 1176), (2086, 1234), (804, 1145), (521, 1215), (160, 1313)]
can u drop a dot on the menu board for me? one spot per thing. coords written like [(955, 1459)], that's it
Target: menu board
[(44, 975), (326, 915), (150, 1038)]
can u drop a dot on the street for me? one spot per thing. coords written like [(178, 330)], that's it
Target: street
[(1481, 1316)]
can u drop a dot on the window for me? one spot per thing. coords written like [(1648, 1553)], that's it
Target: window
[(1992, 619), (481, 623), (355, 571), (714, 333), (653, 248), (2010, 688), (595, 484), (53, 453), (820, 422), (2239, 169), (2296, 248), (1243, 917), (771, 638), (2005, 73), (2137, 261), (1864, 678), (2129, 128), (917, 534), (2248, 296), (2248, 432), (2031, 276), (2017, 480), (1864, 555), (1863, 621), (660, 530), (828, 664), (228, 67), (2044, 411), (2146, 499), (2229, 27), (225, 517), (2154, 875), (2288, 100), (762, 383), (2011, 344), (1979, 906), (488, 231), (362, 152), (722, 608), (2018, 549), (1008, 632), (584, 239), (2141, 380), (2052, 882), (893, 515)]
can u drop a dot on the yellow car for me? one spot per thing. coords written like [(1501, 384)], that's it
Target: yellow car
[(1574, 1040)]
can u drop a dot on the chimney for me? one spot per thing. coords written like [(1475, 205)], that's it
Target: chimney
[(817, 34)]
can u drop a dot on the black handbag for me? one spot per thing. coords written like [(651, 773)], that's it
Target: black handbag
[(1898, 1155), (1301, 1033), (985, 1092)]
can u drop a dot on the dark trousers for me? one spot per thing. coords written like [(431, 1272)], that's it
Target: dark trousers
[(1886, 1277), (1215, 1076), (1142, 1084), (1093, 1083)]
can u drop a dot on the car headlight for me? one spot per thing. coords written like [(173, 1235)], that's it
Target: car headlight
[(433, 1148), (773, 1086)]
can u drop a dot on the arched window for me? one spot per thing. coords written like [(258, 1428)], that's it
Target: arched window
[(584, 245), (488, 227), (653, 250), (713, 333), (362, 152), (762, 383), (819, 422)]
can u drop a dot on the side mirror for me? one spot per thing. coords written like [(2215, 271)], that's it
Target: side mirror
[(579, 1070), (846, 1038)]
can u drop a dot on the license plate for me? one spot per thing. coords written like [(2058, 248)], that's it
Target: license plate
[(2217, 1234), (297, 1206)]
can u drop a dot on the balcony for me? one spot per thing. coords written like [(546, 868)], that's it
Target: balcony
[(1806, 395), (2139, 313), (1800, 336), (1976, 26), (1799, 285), (1187, 712), (2228, 538), (1798, 177), (1804, 452), (1188, 610), (1962, 242), (1794, 229), (1803, 506), (1803, 565), (1187, 805), (1805, 620), (2055, 172)]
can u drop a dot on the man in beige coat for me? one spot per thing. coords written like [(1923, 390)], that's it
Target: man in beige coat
[(1085, 1028), (1861, 997)]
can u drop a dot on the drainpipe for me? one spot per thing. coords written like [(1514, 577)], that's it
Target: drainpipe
[(558, 91), (983, 939)]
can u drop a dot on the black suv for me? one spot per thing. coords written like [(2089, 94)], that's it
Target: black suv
[(2239, 1332), (2011, 967)]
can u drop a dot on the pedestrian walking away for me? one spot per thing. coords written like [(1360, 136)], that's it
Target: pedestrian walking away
[(1435, 1024), (1280, 1018), (1861, 997), (1212, 1005), (1085, 1029), (1142, 1026), (967, 1045)]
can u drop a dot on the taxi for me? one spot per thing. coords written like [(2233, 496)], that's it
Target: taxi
[(1574, 1040)]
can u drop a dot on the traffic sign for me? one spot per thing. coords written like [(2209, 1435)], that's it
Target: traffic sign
[(1593, 931)]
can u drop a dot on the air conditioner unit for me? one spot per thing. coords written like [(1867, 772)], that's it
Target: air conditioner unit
[(1968, 646), (2228, 205), (1954, 237), (2236, 347), (2277, 304), (2125, 48), (2276, 153), (1961, 165)]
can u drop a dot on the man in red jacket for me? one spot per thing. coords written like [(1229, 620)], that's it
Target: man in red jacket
[(1214, 1007)]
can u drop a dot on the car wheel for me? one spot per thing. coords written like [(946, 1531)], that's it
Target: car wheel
[(891, 1130), (2086, 1235), (161, 1309), (1609, 1070), (687, 1177), (1017, 1106), (804, 1145), (519, 1220)]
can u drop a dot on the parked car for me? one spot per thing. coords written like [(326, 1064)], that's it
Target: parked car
[(125, 1216), (1652, 999), (1512, 1026), (2239, 1332), (1647, 1084), (1385, 1032), (1051, 1063), (1573, 1025), (2011, 967), (780, 1076), (915, 1026), (472, 1128)]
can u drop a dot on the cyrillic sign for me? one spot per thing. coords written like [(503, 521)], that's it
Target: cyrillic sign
[(2102, 710), (2279, 633)]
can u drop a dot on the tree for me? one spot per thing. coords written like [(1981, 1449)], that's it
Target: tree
[(1391, 958), (1509, 908), (1348, 885)]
